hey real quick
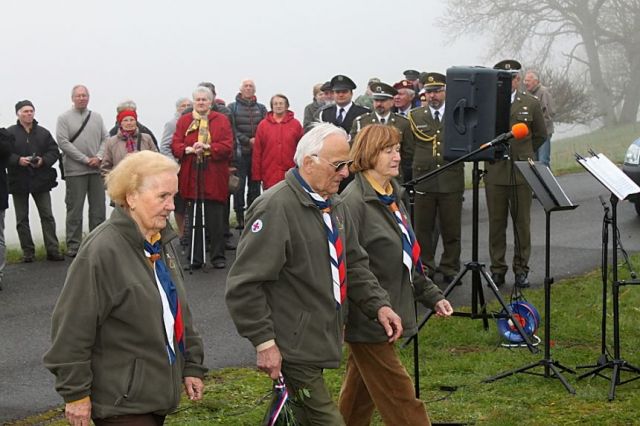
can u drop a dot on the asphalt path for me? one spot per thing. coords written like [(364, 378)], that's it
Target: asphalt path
[(30, 292)]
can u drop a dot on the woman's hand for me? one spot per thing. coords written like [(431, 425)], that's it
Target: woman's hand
[(443, 308), (78, 413), (194, 388)]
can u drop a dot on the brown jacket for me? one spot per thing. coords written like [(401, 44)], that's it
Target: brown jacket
[(115, 149)]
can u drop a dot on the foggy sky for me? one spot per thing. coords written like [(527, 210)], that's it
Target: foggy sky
[(156, 51)]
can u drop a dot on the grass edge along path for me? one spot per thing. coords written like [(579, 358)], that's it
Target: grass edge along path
[(458, 353)]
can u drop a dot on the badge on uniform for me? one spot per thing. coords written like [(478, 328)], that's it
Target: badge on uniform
[(256, 226)]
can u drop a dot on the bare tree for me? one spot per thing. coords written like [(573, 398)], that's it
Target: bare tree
[(600, 36)]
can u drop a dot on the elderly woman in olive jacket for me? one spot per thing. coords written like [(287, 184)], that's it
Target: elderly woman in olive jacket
[(375, 377)]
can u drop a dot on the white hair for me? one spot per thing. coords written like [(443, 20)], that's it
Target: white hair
[(203, 89), (181, 100), (126, 105), (313, 141)]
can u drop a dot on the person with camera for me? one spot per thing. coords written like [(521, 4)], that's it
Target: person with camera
[(31, 172)]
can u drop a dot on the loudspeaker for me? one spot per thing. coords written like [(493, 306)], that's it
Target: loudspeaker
[(478, 102)]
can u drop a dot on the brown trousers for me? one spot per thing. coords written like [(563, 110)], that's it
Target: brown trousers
[(375, 378), (131, 420)]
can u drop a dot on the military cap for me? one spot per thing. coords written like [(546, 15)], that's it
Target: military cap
[(382, 91), (508, 65), (326, 87), (403, 84), (434, 81), (411, 75), (373, 80), (342, 82), (423, 97)]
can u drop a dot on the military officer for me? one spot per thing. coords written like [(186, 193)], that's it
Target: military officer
[(383, 94), (505, 188), (344, 111), (404, 100), (441, 195)]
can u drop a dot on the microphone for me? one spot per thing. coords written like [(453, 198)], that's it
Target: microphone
[(518, 131)]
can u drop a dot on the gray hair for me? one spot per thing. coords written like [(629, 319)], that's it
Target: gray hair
[(203, 89), (76, 87), (534, 73), (181, 100), (126, 105), (313, 141), (410, 92)]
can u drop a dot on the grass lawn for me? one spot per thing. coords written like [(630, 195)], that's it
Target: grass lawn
[(458, 352)]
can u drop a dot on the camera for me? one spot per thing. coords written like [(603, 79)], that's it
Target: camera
[(33, 160)]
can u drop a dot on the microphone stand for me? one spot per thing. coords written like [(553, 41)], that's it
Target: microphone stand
[(477, 268)]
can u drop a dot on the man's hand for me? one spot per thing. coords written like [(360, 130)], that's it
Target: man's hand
[(194, 388), (391, 322), (78, 413), (269, 360), (94, 162), (443, 308), (24, 161)]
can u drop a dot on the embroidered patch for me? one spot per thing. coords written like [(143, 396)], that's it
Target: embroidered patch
[(256, 226)]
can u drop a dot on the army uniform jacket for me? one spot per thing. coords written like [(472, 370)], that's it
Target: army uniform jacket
[(280, 285), (524, 109), (428, 154), (406, 138), (380, 236)]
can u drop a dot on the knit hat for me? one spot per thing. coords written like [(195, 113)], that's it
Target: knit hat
[(23, 104), (126, 113)]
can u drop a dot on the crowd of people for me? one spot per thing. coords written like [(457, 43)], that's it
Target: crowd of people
[(320, 247)]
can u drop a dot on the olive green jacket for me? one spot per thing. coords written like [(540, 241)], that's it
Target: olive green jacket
[(407, 143), (380, 236), (429, 154), (280, 285), (108, 337), (524, 109)]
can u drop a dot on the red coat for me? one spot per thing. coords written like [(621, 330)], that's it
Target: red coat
[(216, 167), (274, 148)]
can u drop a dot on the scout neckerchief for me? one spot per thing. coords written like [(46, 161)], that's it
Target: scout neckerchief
[(336, 248), (201, 124), (410, 246), (171, 310)]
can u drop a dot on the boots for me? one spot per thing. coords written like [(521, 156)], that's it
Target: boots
[(240, 219)]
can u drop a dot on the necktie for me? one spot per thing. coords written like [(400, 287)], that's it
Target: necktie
[(340, 118), (336, 248), (402, 113), (171, 311), (382, 120), (437, 116), (410, 246)]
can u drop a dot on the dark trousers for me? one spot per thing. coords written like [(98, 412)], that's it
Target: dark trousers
[(131, 420), (213, 228), (244, 173), (47, 221), (78, 188), (502, 201)]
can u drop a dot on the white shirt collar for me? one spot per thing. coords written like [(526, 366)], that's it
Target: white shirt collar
[(440, 110), (346, 108), (386, 117)]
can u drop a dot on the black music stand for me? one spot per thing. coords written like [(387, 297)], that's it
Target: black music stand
[(549, 193), (620, 186)]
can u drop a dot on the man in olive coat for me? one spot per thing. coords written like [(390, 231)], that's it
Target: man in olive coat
[(298, 265), (383, 104), (441, 195), (506, 190)]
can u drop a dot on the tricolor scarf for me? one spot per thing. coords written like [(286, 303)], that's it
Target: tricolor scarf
[(410, 246), (336, 248), (128, 138), (171, 310), (201, 124)]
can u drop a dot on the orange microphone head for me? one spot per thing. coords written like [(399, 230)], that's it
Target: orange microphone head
[(519, 131)]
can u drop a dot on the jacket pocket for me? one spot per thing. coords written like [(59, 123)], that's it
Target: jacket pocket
[(134, 381), (299, 331)]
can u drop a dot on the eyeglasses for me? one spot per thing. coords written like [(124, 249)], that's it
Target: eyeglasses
[(338, 166)]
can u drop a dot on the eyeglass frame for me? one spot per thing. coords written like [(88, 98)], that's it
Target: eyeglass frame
[(339, 166)]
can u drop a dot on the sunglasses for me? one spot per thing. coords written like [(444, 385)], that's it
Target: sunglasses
[(338, 166)]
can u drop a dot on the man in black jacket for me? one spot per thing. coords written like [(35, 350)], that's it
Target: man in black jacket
[(30, 171), (344, 111)]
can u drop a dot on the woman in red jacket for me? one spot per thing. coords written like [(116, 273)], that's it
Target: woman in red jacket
[(276, 139), (203, 144)]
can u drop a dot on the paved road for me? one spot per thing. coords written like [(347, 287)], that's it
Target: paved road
[(31, 290)]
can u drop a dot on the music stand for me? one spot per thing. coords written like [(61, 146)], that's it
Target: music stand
[(549, 193), (620, 186)]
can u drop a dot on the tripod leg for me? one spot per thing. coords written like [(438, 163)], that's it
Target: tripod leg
[(511, 372), (615, 378), (560, 377)]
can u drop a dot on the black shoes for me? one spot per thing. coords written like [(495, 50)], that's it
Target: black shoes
[(497, 278), (71, 253), (27, 258), (219, 264), (55, 257), (521, 280)]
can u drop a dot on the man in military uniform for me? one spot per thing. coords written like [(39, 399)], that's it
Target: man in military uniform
[(441, 195), (382, 104), (505, 188), (404, 100), (344, 111)]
